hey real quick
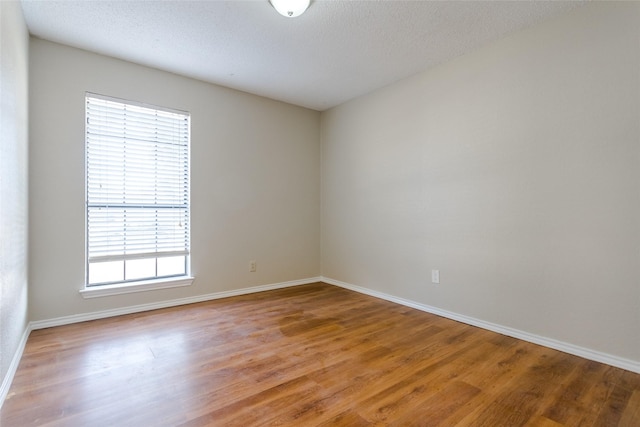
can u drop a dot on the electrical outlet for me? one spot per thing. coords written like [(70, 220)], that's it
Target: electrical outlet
[(435, 276), (253, 266)]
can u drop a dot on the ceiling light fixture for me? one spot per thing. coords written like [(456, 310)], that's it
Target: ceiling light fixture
[(290, 8)]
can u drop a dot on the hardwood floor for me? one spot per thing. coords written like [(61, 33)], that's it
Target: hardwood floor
[(313, 355)]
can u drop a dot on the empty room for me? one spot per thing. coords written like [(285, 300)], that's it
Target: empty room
[(319, 213)]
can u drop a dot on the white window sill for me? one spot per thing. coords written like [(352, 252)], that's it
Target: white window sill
[(127, 288)]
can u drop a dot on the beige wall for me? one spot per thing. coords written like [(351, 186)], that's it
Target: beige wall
[(254, 173), (514, 170), (14, 54)]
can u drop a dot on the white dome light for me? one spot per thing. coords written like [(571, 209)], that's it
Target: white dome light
[(290, 8)]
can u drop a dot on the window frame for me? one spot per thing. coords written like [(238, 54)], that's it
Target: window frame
[(149, 282)]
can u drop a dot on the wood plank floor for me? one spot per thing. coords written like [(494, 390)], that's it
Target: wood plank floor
[(313, 355)]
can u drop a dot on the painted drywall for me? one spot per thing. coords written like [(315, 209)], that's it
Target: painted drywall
[(514, 171), (14, 77), (255, 181)]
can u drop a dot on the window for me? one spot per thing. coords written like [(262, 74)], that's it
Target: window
[(137, 192)]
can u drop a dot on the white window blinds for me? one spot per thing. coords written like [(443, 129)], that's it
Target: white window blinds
[(137, 168)]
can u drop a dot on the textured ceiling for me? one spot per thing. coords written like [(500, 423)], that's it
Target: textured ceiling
[(336, 51)]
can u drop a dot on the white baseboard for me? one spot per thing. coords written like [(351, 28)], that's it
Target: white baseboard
[(65, 320), (13, 367), (619, 362)]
